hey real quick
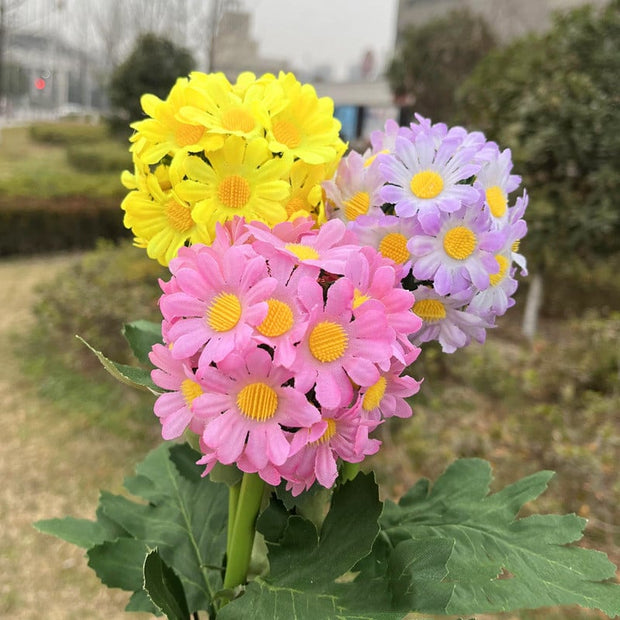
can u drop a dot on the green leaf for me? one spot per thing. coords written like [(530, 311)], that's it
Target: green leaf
[(130, 375), (141, 336), (176, 510), (185, 518), (305, 563), (164, 587), (499, 562), (80, 532), (119, 563)]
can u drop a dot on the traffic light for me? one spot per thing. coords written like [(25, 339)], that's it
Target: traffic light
[(40, 82)]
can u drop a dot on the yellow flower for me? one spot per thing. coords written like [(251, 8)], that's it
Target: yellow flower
[(242, 179), (306, 127), (239, 110), (306, 193), (160, 221), (164, 133)]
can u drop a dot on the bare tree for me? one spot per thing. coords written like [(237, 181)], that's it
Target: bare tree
[(7, 7)]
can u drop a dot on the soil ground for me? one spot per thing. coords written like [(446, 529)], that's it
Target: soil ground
[(49, 467)]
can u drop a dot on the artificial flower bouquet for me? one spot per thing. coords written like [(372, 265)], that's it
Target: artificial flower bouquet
[(303, 285)]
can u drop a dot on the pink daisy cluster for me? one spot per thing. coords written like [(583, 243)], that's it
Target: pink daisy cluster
[(284, 349), (435, 200)]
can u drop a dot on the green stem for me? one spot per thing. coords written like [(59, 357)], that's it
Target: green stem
[(241, 539), (349, 471), (233, 501)]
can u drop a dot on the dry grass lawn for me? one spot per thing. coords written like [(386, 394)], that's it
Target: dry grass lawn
[(49, 466)]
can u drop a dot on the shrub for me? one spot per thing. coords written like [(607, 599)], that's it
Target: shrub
[(99, 157), (66, 133), (93, 298), (39, 225)]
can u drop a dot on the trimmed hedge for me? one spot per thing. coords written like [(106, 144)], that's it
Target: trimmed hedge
[(36, 225), (99, 157), (67, 133)]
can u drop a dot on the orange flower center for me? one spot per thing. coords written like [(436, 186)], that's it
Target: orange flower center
[(286, 133), (234, 191), (185, 135), (179, 216), (238, 119)]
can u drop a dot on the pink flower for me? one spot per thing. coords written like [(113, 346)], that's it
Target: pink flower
[(387, 397), (286, 322), (344, 435), (221, 299), (247, 405), (375, 277), (337, 350), (175, 407), (326, 248)]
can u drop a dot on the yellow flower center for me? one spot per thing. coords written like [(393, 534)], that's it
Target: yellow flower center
[(430, 310), (286, 133), (303, 252), (426, 184), (357, 205), (234, 191), (459, 242), (330, 431), (278, 321), (359, 299), (238, 119), (179, 216), (515, 245), (328, 341), (497, 201), (258, 401), (374, 394), (224, 312), (185, 135), (190, 390), (394, 246), (296, 204), (502, 262)]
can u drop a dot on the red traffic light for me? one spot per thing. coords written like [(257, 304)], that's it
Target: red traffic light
[(39, 83)]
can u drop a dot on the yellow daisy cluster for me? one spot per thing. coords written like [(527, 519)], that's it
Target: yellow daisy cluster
[(258, 148)]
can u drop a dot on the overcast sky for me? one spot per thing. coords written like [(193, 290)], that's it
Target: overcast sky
[(319, 32)]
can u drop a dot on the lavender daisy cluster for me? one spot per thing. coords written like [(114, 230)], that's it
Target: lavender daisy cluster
[(283, 349), (436, 200)]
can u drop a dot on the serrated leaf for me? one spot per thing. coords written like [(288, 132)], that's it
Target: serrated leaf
[(130, 375), (304, 563), (499, 562), (185, 518), (141, 336), (118, 563), (81, 532), (164, 587)]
